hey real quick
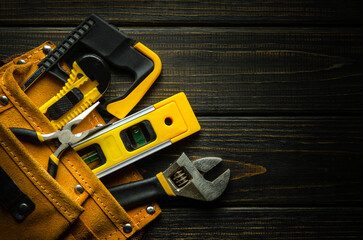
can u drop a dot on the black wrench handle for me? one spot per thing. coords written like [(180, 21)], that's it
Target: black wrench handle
[(134, 194)]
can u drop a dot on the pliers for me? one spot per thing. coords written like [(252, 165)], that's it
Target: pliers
[(64, 136)]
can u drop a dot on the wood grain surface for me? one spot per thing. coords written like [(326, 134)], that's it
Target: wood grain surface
[(277, 161), (258, 223), (277, 87), (180, 12), (241, 71)]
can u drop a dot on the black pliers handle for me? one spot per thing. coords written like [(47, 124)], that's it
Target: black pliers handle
[(27, 134), (33, 136)]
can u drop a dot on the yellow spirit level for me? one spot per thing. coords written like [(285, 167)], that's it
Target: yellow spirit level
[(139, 135)]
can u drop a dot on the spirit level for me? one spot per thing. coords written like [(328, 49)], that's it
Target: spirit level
[(139, 135)]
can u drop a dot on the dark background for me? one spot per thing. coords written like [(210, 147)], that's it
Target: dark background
[(277, 87)]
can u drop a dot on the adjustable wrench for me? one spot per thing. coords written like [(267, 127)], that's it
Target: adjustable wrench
[(182, 178)]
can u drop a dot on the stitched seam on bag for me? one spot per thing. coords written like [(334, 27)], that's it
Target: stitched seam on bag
[(30, 55), (116, 219), (95, 194), (136, 223), (95, 118), (21, 164), (134, 175), (147, 215), (17, 103), (113, 234), (133, 217), (83, 179), (129, 179), (78, 197)]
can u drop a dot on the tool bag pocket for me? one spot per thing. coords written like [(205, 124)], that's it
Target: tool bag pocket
[(50, 210), (33, 205)]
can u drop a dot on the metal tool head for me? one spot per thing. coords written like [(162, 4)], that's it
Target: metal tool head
[(185, 178), (79, 118), (66, 137)]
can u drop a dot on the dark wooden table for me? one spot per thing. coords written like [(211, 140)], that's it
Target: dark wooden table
[(278, 89)]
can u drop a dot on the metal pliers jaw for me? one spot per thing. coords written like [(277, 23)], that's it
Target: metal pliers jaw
[(65, 136), (186, 178)]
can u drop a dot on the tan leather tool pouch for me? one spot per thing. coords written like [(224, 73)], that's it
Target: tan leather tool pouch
[(75, 205)]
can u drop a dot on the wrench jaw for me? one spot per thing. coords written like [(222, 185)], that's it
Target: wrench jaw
[(185, 179), (206, 164), (216, 188)]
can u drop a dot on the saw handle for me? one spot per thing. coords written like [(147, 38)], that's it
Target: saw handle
[(134, 194)]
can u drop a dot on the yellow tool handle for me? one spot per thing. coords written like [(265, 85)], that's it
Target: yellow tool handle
[(122, 107), (165, 184)]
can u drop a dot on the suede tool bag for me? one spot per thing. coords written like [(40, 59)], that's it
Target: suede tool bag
[(33, 205)]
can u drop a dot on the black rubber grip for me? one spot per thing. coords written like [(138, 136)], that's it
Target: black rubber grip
[(65, 103), (25, 134), (134, 194), (52, 168)]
